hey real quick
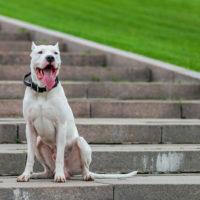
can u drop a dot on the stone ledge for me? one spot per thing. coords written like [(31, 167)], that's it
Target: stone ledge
[(117, 158), (154, 187), (48, 190)]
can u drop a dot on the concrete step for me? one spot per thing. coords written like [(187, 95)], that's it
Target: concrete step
[(13, 108), (191, 109), (119, 90), (49, 190), (117, 131), (140, 187), (154, 158), (107, 108), (80, 73), (156, 187), (24, 45), (14, 36), (23, 58)]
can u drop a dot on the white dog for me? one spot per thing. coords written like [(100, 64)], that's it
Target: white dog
[(50, 128)]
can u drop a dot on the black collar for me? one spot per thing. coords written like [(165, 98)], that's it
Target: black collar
[(35, 86)]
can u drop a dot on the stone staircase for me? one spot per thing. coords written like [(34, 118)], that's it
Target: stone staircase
[(131, 122)]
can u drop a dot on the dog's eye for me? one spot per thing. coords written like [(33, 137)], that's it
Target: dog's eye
[(39, 52), (55, 52)]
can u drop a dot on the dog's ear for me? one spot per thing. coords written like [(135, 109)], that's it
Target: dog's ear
[(33, 46), (57, 45)]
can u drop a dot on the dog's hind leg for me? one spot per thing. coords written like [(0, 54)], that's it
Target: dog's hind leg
[(86, 158), (44, 155), (79, 159)]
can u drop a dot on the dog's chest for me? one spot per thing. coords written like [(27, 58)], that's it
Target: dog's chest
[(43, 114), (42, 108)]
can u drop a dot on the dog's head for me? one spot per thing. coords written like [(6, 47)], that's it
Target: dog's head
[(45, 64)]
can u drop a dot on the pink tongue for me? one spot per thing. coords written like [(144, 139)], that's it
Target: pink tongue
[(48, 79)]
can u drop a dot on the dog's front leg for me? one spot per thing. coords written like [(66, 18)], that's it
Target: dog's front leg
[(60, 143), (31, 142)]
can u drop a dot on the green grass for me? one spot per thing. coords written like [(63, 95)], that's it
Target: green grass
[(95, 79), (167, 30)]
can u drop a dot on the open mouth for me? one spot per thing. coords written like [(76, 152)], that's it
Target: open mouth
[(47, 75)]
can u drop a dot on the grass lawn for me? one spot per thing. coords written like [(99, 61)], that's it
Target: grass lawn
[(168, 30)]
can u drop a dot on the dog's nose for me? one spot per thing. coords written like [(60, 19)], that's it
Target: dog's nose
[(50, 59)]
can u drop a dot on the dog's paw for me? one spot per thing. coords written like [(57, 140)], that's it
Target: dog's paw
[(88, 177), (23, 178), (59, 178)]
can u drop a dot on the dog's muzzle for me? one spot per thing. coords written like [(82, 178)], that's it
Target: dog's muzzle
[(50, 59), (47, 73)]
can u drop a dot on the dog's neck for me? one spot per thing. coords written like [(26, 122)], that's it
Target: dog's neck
[(32, 84)]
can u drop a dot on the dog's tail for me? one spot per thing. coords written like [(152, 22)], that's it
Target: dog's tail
[(110, 176)]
